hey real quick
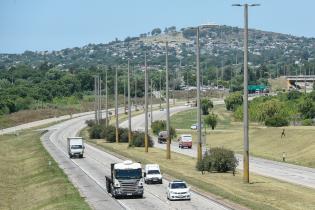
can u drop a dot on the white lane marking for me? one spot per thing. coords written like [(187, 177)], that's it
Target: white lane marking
[(88, 174)]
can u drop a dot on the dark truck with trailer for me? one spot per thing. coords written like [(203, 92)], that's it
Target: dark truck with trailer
[(125, 180)]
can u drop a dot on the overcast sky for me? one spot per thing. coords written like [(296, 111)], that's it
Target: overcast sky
[(57, 24)]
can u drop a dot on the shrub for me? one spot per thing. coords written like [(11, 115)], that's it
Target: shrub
[(276, 121), (219, 160), (307, 109), (96, 132), (160, 125), (294, 94), (307, 122), (138, 140), (90, 123), (233, 101), (123, 134), (109, 133)]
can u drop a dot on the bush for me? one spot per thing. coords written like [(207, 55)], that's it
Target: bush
[(160, 125), (233, 101), (123, 134), (307, 122), (276, 121), (219, 160), (109, 133), (96, 132), (294, 94), (138, 140)]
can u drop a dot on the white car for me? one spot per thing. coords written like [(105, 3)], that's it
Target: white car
[(178, 190), (152, 174), (195, 126)]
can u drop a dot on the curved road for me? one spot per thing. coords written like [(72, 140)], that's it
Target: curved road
[(283, 171), (88, 173)]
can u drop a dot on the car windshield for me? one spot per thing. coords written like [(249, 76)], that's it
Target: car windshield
[(128, 173), (186, 138), (178, 185), (153, 172), (76, 146)]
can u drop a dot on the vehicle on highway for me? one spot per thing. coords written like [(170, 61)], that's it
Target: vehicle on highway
[(162, 138), (125, 179), (185, 140), (152, 174), (75, 146), (178, 190), (195, 126)]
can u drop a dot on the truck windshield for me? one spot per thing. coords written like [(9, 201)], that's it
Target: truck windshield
[(128, 173), (76, 146), (187, 138), (153, 172)]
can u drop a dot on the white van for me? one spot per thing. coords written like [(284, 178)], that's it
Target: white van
[(152, 174)]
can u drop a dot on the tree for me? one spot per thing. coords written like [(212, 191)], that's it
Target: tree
[(294, 94), (206, 104), (211, 120), (156, 31), (233, 101), (307, 109)]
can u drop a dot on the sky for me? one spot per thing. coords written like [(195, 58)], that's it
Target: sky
[(40, 25)]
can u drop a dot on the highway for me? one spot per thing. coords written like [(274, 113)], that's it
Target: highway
[(87, 174), (282, 171)]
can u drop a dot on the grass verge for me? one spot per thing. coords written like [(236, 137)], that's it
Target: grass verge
[(262, 193), (27, 181), (265, 142)]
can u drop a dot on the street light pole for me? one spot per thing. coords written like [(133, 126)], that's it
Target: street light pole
[(168, 146), (199, 149), (129, 105), (116, 105), (151, 101), (106, 100), (146, 135), (245, 97), (245, 107)]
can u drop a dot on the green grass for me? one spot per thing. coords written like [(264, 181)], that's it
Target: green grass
[(26, 179), (265, 142), (262, 193)]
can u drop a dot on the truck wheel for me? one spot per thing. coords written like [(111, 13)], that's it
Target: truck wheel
[(161, 181), (141, 196), (80, 156), (70, 156), (108, 186)]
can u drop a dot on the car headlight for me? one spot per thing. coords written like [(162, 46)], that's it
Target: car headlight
[(140, 183), (116, 183)]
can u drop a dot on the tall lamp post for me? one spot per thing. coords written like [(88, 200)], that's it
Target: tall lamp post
[(146, 135), (245, 97), (129, 105), (168, 145), (199, 148)]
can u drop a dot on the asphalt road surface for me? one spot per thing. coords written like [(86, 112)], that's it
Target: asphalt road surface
[(88, 173), (283, 171)]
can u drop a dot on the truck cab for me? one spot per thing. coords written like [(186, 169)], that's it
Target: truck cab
[(152, 174), (75, 146), (125, 179)]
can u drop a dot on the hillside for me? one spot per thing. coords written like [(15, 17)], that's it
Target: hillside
[(221, 45)]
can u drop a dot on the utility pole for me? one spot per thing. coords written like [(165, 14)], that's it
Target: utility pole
[(106, 100), (187, 87), (245, 97), (125, 111), (168, 146), (116, 104), (160, 90), (146, 135), (135, 75), (129, 105), (199, 148), (151, 102), (174, 78)]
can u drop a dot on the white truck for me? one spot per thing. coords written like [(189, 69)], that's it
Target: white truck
[(125, 179), (75, 146), (152, 174)]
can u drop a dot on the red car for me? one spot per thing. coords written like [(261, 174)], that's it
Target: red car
[(185, 140)]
